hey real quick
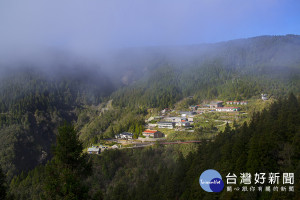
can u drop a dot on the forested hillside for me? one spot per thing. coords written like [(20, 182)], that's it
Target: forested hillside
[(34, 101), (269, 143), (237, 69), (166, 85), (32, 106)]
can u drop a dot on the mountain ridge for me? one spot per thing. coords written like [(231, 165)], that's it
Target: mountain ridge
[(33, 104)]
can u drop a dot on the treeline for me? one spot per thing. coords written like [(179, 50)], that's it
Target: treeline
[(269, 143)]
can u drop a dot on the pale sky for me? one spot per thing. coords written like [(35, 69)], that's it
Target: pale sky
[(94, 26)]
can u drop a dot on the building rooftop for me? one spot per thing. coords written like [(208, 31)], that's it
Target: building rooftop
[(150, 131), (93, 149), (126, 133)]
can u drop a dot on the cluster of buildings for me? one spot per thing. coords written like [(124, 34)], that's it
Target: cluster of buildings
[(185, 120), (170, 122), (99, 149), (147, 133), (171, 125), (218, 106)]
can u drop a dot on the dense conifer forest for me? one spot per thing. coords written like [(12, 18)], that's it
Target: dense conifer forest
[(269, 143), (99, 104)]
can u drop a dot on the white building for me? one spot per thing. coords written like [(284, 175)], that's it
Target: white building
[(94, 150), (191, 119), (264, 97), (187, 113), (175, 119), (124, 135), (227, 109), (169, 125)]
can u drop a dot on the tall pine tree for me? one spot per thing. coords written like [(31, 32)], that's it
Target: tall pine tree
[(67, 169)]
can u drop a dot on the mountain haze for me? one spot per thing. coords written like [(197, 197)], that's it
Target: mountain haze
[(36, 97)]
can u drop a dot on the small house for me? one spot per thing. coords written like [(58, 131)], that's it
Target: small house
[(153, 133), (94, 150)]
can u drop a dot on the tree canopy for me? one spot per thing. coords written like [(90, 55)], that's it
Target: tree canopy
[(65, 172)]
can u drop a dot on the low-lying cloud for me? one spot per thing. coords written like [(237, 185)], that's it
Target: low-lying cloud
[(91, 28)]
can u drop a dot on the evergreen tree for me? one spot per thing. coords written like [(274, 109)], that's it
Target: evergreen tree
[(67, 169)]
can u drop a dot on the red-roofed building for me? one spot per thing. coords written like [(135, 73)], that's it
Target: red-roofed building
[(153, 133)]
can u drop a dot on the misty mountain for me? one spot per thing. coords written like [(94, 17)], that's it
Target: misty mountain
[(36, 96), (238, 69), (258, 53)]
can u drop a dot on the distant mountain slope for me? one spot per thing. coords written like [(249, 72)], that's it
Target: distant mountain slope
[(230, 70), (34, 101), (252, 54)]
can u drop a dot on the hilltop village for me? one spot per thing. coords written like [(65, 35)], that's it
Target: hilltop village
[(202, 121)]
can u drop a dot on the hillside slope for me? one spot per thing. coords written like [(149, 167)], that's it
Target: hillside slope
[(33, 103)]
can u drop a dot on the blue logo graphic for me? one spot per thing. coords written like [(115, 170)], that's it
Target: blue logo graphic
[(211, 181)]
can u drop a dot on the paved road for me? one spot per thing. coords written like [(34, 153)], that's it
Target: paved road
[(182, 142), (139, 145)]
